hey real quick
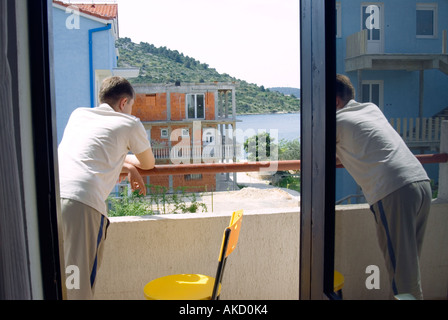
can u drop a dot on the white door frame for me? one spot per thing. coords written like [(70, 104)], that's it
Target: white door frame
[(374, 46)]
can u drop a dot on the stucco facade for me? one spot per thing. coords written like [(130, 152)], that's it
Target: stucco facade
[(394, 52)]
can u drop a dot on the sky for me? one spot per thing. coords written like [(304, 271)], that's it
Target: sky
[(252, 40)]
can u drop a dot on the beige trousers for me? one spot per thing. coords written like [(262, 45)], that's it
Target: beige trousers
[(84, 231), (401, 219)]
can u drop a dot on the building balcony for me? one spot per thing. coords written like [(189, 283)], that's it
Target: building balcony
[(419, 133), (359, 57), (265, 265)]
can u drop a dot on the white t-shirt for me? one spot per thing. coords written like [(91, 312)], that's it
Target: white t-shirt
[(373, 152), (92, 152)]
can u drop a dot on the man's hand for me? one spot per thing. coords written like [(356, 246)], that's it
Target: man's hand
[(134, 177)]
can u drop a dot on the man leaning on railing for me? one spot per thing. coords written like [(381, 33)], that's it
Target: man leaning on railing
[(393, 181), (92, 155)]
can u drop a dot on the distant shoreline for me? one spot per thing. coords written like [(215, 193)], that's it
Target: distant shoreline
[(268, 113)]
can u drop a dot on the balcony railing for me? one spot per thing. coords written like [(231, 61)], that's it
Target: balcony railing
[(359, 56), (208, 153), (419, 132), (357, 43), (180, 169)]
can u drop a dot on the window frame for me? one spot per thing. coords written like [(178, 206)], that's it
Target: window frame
[(374, 46), (185, 132), (427, 7), (164, 133), (380, 84), (193, 177), (318, 149), (187, 99), (45, 147)]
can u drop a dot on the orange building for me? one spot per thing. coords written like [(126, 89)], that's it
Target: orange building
[(189, 123)]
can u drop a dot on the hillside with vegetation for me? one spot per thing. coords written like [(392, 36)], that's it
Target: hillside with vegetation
[(162, 65)]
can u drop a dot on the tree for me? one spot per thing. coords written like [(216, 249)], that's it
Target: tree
[(289, 149), (260, 147)]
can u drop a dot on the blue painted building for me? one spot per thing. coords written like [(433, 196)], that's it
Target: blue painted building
[(84, 38), (395, 53)]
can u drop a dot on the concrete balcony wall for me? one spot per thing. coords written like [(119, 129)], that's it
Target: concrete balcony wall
[(357, 248), (266, 262)]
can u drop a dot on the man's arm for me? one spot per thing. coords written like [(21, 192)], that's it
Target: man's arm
[(144, 160), (135, 179)]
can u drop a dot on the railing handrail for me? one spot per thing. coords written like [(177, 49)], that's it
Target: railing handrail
[(285, 165), (198, 146)]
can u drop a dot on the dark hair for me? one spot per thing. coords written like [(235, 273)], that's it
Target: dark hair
[(344, 88), (113, 89)]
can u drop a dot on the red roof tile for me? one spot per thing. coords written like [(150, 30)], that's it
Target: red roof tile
[(104, 11)]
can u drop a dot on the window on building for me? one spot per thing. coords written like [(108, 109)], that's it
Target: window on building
[(209, 135), (185, 132), (190, 177), (372, 20), (426, 20), (369, 15), (164, 133), (195, 106), (372, 91)]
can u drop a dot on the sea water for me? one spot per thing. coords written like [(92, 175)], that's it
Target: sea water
[(278, 125)]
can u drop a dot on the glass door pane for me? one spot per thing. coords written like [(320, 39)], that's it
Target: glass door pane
[(200, 106), (191, 106)]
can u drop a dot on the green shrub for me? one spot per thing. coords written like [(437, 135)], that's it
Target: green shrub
[(158, 201)]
